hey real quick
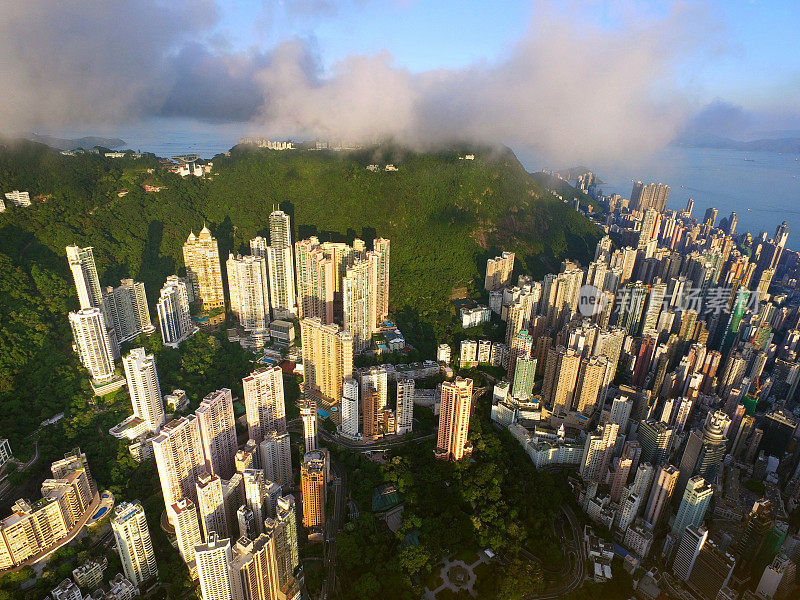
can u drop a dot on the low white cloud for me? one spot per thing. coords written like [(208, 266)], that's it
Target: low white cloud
[(567, 89)]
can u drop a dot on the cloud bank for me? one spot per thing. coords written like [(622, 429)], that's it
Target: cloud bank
[(567, 89)]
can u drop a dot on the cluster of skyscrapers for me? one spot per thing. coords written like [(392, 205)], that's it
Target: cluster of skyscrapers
[(666, 372)]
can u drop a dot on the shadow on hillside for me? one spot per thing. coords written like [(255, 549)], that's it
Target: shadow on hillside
[(24, 248), (368, 234), (154, 267)]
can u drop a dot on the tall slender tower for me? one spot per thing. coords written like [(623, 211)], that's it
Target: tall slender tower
[(381, 249), (132, 535), (327, 359), (84, 273), (560, 379), (179, 458), (264, 402), (308, 413), (183, 516), (281, 266), (203, 268), (211, 504), (694, 504), (143, 387), (172, 307), (597, 452), (286, 539), (663, 488), (126, 307), (358, 301), (94, 347), (255, 566), (405, 405), (213, 569), (316, 281), (456, 406), (275, 451), (312, 480), (349, 408), (218, 432), (249, 291)]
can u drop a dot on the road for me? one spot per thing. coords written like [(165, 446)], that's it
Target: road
[(332, 528), (5, 485), (573, 550)]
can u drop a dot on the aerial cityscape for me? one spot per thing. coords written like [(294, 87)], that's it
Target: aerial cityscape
[(294, 312)]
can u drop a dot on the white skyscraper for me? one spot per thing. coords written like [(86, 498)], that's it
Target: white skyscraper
[(359, 302), (286, 539), (218, 432), (405, 405), (255, 493), (597, 452), (143, 387), (692, 510), (349, 408), (174, 317), (179, 458), (280, 258), (183, 516), (264, 402), (249, 292), (275, 452), (129, 525), (309, 415), (690, 544), (213, 570), (211, 504), (84, 273), (91, 339), (126, 307)]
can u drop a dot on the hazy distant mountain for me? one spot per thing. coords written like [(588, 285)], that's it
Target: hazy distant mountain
[(787, 145), (87, 143)]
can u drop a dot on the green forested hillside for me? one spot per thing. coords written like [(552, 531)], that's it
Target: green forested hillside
[(445, 216)]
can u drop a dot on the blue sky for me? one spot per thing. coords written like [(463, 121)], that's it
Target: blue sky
[(750, 53), (571, 79)]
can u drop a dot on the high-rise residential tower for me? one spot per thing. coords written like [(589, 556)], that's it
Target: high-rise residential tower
[(84, 273), (174, 318), (405, 405), (213, 561), (280, 260), (179, 458), (312, 481), (211, 504), (456, 407), (203, 269), (143, 387), (93, 344), (275, 451), (183, 516), (316, 280), (218, 432), (498, 271), (358, 301), (651, 195), (327, 359), (264, 402), (381, 251), (308, 413), (132, 536), (126, 307), (249, 292)]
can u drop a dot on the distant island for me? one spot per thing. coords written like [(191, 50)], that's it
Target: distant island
[(787, 145), (85, 143)]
